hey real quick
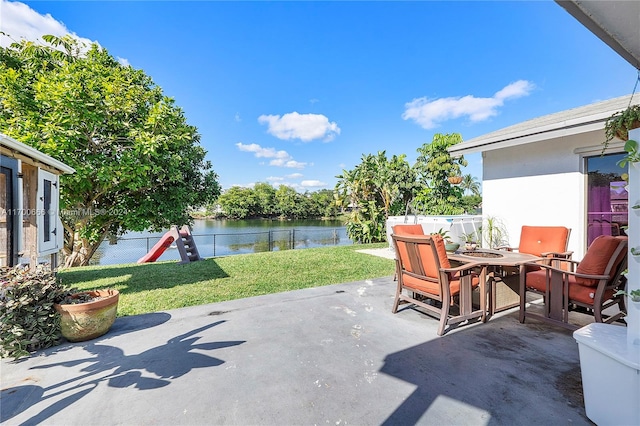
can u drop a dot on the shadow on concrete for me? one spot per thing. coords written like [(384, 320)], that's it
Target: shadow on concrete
[(452, 387), (150, 369), (124, 325), (133, 278)]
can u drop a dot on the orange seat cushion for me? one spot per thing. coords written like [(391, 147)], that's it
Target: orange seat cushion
[(585, 294), (577, 291), (596, 259), (432, 287), (541, 239), (537, 279)]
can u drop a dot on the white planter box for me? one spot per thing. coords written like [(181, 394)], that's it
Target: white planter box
[(610, 374)]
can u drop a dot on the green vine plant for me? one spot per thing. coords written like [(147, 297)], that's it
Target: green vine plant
[(633, 153), (634, 295)]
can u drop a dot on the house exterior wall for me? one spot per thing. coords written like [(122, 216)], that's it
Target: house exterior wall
[(540, 184)]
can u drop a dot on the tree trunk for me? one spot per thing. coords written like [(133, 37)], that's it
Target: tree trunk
[(81, 252)]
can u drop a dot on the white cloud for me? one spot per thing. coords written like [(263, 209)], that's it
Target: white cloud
[(19, 21), (294, 176), (274, 179), (261, 152), (429, 113), (312, 184), (237, 117), (279, 158), (292, 164), (124, 62), (305, 127)]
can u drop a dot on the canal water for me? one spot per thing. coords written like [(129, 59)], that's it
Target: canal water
[(221, 237)]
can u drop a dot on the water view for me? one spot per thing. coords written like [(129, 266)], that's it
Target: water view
[(227, 237)]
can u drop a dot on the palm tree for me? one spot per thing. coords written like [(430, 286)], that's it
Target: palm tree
[(470, 184)]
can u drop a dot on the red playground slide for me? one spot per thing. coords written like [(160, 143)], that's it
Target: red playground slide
[(159, 248)]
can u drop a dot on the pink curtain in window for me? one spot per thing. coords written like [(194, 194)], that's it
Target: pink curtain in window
[(599, 212)]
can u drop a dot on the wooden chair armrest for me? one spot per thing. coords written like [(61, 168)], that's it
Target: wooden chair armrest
[(562, 271), (462, 268), (545, 261), (562, 254), (507, 248)]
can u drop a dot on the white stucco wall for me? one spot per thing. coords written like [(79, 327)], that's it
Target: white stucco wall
[(540, 184)]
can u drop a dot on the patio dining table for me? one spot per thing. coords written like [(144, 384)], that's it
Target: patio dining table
[(492, 262)]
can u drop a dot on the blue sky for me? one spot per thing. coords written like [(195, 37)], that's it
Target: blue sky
[(294, 92)]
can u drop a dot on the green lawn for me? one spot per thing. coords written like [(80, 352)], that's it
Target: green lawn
[(160, 286)]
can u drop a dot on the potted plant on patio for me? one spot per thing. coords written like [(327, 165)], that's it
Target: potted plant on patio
[(86, 315), (470, 240), (449, 245)]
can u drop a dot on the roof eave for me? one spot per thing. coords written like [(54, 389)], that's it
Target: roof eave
[(13, 146)]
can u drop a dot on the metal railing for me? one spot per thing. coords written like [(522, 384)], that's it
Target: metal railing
[(130, 249)]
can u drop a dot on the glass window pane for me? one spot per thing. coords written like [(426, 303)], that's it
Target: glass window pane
[(47, 212), (607, 198)]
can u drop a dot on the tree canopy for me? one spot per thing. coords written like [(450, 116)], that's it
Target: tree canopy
[(434, 166), (138, 163), (375, 189), (380, 187)]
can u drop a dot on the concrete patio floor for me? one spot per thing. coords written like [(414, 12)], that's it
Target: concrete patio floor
[(328, 355)]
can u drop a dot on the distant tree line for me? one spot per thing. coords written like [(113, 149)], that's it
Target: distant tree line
[(265, 201)]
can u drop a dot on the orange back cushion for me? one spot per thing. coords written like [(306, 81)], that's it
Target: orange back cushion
[(426, 255), (541, 239), (597, 258), (441, 251), (408, 229)]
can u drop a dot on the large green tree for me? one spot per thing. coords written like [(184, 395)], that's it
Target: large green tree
[(375, 189), (138, 162), (239, 203), (434, 166)]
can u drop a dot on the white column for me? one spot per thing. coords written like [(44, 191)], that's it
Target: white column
[(633, 275)]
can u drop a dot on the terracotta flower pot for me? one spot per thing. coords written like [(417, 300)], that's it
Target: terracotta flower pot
[(88, 320)]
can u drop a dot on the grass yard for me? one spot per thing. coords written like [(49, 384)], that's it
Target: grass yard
[(154, 287)]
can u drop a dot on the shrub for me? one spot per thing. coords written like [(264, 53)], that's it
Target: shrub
[(28, 320)]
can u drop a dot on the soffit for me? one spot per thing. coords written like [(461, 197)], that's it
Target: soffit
[(561, 124), (616, 22)]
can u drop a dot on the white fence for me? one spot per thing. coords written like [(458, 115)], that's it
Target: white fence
[(456, 226)]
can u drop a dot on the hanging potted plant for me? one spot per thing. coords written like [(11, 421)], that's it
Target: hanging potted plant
[(86, 315), (455, 180), (619, 124)]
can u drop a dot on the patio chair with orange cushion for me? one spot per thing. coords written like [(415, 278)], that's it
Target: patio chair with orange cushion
[(426, 279), (590, 284), (544, 241)]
